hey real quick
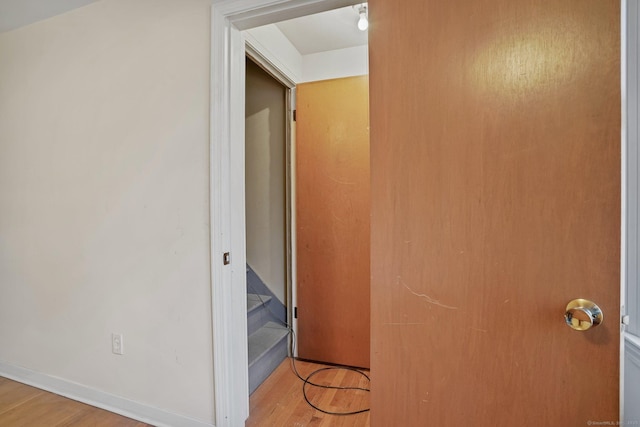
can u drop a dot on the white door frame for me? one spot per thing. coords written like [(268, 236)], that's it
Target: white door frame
[(228, 282)]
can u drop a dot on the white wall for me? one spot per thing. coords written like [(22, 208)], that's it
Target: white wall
[(265, 151), (104, 192), (335, 64), (631, 381)]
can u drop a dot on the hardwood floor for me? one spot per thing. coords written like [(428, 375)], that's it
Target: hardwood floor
[(23, 405), (279, 401)]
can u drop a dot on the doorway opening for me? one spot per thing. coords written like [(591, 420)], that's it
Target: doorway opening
[(333, 177), (228, 263), (267, 221)]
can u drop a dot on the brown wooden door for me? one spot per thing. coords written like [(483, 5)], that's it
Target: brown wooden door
[(495, 163), (332, 215)]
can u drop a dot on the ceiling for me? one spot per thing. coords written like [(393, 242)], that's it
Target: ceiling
[(335, 29)]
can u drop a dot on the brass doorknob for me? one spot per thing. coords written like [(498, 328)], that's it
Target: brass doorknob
[(582, 314)]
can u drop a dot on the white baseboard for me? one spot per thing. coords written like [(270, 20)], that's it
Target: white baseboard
[(119, 405)]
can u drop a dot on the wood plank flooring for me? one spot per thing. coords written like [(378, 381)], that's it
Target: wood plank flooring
[(25, 406), (279, 401)]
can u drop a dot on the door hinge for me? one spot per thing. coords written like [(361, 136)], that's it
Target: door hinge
[(295, 312), (295, 115), (626, 320), (226, 258)]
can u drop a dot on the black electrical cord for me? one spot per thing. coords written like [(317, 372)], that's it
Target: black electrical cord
[(304, 392), (306, 381)]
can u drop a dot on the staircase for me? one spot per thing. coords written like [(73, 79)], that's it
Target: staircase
[(268, 344)]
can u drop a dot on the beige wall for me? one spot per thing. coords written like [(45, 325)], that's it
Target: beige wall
[(265, 137), (104, 200)]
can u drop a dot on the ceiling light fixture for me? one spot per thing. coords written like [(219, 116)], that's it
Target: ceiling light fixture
[(363, 22)]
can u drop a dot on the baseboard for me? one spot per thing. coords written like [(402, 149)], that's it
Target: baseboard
[(119, 405)]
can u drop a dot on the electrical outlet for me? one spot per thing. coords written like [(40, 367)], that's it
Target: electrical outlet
[(117, 345)]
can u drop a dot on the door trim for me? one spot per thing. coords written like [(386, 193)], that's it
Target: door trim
[(258, 54), (227, 217)]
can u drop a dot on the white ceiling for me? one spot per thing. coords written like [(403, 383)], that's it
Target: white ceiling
[(335, 29)]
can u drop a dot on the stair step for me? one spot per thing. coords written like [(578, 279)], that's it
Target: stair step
[(261, 341), (259, 313), (254, 301), (267, 349)]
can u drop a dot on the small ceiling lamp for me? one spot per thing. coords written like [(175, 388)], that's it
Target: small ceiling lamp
[(363, 22)]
